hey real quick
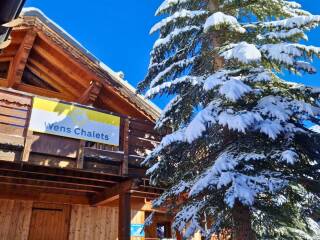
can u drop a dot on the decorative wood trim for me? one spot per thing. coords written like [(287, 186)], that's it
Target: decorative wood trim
[(21, 58), (90, 95)]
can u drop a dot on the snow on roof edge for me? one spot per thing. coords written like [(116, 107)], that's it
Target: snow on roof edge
[(32, 11)]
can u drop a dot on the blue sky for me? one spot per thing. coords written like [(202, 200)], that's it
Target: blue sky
[(117, 32)]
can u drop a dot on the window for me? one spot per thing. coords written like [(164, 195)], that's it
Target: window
[(4, 69), (164, 230)]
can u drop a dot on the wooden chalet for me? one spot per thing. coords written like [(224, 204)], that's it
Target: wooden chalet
[(59, 187)]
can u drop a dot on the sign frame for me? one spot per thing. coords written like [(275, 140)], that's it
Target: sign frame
[(74, 121)]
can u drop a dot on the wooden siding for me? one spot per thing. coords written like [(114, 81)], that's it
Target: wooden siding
[(15, 219), (137, 138), (100, 223)]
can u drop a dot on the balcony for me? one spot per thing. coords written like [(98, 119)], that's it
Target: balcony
[(56, 164)]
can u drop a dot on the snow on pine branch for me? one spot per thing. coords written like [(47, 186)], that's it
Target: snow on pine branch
[(238, 121), (167, 85), (233, 88), (168, 70), (219, 19), (301, 22), (287, 53), (175, 17), (169, 3), (176, 32), (175, 191), (289, 157), (240, 186), (243, 52), (284, 34)]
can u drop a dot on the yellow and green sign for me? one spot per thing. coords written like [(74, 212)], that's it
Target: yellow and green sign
[(68, 120)]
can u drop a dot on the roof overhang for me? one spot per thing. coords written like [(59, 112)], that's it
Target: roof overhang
[(36, 19)]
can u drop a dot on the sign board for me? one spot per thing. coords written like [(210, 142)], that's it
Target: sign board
[(68, 120), (137, 230)]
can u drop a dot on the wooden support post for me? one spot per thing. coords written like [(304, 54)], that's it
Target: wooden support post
[(28, 137), (124, 216), (80, 154), (27, 146), (125, 139), (90, 95)]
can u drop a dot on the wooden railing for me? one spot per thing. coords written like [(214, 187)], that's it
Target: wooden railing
[(17, 143)]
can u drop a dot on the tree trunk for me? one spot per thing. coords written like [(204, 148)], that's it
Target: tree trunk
[(242, 229), (218, 60)]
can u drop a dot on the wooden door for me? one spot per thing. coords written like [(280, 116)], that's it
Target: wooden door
[(49, 222)]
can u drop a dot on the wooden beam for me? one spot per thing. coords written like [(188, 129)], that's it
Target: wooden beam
[(71, 187), (70, 175), (38, 177), (53, 79), (90, 95), (110, 194), (64, 63), (33, 193), (59, 67), (88, 73), (43, 92), (21, 58), (124, 216)]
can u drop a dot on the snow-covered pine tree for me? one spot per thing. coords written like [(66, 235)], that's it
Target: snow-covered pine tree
[(239, 157)]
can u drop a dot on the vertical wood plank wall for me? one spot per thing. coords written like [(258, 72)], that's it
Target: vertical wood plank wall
[(15, 219), (93, 223), (98, 223)]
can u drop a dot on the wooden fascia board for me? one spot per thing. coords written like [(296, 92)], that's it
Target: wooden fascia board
[(20, 60), (133, 105)]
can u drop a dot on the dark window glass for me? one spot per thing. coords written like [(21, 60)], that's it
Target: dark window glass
[(30, 78), (164, 230), (4, 69)]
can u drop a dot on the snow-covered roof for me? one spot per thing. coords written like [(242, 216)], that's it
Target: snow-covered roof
[(148, 106)]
